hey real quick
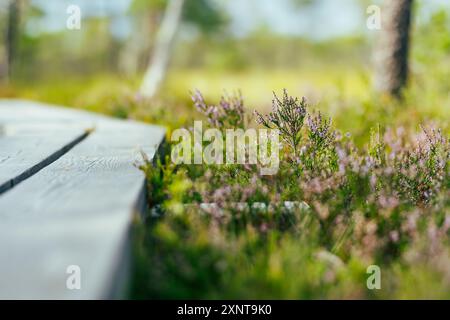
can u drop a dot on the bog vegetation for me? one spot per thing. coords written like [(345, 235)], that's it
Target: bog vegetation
[(363, 178), (385, 204)]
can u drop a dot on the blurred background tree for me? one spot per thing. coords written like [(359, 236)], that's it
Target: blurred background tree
[(201, 13), (392, 53), (14, 15), (162, 52), (319, 48)]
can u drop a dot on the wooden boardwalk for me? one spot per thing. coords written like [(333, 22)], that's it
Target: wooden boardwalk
[(68, 193)]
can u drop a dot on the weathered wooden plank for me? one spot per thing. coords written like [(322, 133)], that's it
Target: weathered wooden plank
[(31, 138), (15, 111), (23, 155), (76, 211)]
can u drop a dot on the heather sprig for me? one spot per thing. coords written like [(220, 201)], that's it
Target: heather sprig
[(288, 115), (420, 171), (377, 147), (229, 113), (319, 152), (320, 133)]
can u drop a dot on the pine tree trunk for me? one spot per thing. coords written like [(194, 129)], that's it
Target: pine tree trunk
[(15, 10), (391, 55), (165, 39), (12, 34)]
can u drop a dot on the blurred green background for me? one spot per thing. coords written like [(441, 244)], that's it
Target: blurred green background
[(320, 49)]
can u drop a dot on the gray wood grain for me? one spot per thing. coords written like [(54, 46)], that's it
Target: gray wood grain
[(75, 211), (23, 155), (31, 138)]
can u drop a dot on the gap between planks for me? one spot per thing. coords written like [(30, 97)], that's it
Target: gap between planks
[(11, 183)]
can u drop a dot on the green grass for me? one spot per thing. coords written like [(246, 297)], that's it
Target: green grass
[(302, 255), (316, 253)]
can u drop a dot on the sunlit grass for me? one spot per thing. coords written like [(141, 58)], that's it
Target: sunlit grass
[(257, 85), (345, 95)]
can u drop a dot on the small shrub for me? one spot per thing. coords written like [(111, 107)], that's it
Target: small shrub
[(228, 113), (384, 204), (288, 115)]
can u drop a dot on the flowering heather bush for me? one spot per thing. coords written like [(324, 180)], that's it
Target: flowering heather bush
[(386, 204), (320, 133), (229, 113), (321, 145), (288, 115), (421, 172)]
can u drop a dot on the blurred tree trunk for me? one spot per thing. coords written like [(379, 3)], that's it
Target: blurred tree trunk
[(165, 39), (391, 55), (135, 51), (15, 10)]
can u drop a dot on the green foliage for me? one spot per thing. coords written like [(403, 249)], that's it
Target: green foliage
[(224, 232), (205, 14), (142, 5)]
